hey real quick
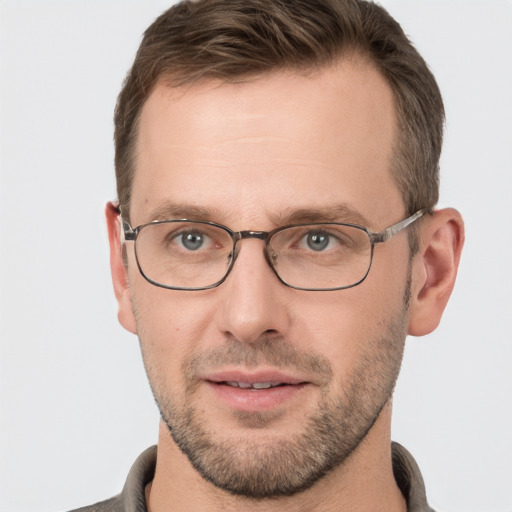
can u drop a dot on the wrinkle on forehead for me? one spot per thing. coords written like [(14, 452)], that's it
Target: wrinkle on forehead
[(351, 79), (260, 151)]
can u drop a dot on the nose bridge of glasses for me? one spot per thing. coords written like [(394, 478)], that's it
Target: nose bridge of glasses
[(260, 235)]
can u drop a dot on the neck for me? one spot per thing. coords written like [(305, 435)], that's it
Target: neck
[(363, 483)]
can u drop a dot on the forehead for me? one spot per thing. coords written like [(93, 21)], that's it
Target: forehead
[(282, 141)]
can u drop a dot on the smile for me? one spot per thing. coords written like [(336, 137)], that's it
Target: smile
[(255, 391), (253, 385)]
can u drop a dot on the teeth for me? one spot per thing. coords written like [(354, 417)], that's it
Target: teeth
[(255, 385), (261, 385)]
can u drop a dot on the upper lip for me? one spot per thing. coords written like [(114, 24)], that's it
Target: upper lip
[(260, 376)]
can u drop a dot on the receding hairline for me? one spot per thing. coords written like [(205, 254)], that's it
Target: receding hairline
[(184, 76), (168, 81)]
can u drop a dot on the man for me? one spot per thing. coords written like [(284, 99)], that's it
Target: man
[(274, 243)]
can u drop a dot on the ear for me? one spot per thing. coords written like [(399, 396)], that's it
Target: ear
[(435, 269), (119, 269)]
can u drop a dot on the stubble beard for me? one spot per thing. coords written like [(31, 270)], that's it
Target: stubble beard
[(271, 468)]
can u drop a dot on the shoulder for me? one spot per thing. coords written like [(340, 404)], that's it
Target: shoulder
[(114, 504), (132, 498), (409, 480)]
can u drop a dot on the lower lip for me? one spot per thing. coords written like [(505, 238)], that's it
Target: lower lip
[(255, 400)]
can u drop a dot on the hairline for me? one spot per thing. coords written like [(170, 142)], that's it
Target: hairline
[(174, 81)]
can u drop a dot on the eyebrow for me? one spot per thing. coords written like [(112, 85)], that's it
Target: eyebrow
[(332, 213), (170, 210)]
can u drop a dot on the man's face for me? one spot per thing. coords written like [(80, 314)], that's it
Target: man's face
[(279, 149)]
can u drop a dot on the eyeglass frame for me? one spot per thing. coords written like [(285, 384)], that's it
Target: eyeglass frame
[(129, 234)]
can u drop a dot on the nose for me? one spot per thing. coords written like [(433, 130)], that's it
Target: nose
[(254, 303)]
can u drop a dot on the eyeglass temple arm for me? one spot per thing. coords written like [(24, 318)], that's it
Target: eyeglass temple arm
[(127, 232), (386, 234)]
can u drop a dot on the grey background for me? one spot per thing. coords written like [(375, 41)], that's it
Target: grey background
[(75, 406)]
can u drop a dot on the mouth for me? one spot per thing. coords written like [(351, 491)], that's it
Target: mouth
[(258, 391), (253, 385), (253, 380)]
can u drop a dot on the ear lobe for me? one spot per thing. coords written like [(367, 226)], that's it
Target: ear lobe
[(435, 269), (119, 270)]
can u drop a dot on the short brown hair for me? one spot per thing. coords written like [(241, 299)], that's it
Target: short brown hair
[(234, 40)]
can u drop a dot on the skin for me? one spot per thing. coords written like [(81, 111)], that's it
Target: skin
[(255, 156)]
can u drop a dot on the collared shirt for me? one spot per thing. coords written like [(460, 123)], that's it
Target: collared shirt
[(132, 498)]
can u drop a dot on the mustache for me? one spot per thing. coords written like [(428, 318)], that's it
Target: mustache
[(268, 350)]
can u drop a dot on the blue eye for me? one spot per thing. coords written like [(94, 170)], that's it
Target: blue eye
[(317, 241), (192, 240)]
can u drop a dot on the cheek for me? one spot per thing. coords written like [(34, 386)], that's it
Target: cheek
[(172, 325), (165, 329), (346, 326), (330, 325)]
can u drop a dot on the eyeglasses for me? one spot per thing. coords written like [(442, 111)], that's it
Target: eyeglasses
[(190, 255)]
